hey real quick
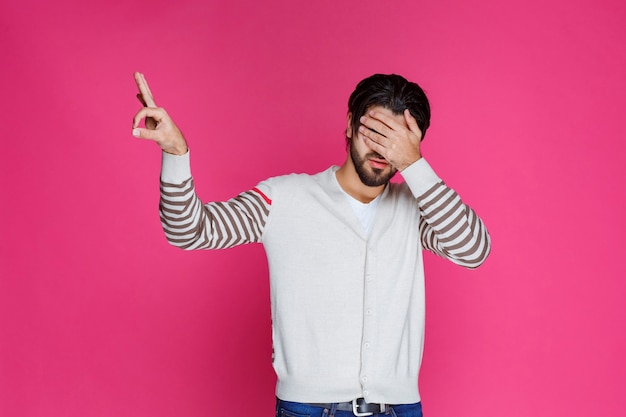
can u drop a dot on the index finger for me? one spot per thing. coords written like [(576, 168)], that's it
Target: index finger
[(386, 120), (375, 123), (412, 123), (144, 90)]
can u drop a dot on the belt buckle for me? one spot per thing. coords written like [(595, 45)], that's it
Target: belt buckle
[(355, 410)]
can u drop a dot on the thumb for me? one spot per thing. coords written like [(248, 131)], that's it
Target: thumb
[(145, 133)]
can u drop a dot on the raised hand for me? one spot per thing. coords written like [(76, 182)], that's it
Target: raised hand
[(159, 126), (395, 137)]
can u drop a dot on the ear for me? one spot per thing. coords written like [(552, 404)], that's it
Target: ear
[(349, 127)]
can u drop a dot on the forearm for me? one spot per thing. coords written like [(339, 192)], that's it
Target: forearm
[(448, 227), (190, 224)]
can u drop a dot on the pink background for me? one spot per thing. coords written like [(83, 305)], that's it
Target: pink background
[(99, 316)]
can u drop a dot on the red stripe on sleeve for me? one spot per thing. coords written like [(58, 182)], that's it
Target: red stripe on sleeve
[(266, 198)]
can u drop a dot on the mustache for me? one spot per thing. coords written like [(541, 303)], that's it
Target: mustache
[(374, 155)]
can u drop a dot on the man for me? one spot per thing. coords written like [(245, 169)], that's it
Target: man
[(344, 249)]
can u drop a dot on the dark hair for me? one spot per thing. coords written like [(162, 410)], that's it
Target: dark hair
[(393, 92)]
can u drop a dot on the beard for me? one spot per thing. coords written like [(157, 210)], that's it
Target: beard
[(372, 177)]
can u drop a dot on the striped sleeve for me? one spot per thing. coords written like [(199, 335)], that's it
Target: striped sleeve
[(451, 229), (189, 224)]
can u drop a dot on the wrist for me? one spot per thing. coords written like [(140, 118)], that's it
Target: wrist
[(409, 163), (177, 150)]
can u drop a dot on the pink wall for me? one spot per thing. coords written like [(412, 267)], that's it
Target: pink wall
[(99, 316)]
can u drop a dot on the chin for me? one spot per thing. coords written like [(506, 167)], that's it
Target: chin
[(376, 178)]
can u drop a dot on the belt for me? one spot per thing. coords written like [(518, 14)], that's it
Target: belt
[(358, 407)]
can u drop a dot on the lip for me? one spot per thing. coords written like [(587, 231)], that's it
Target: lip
[(378, 163)]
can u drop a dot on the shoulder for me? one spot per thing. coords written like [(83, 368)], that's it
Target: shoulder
[(295, 183), (400, 190)]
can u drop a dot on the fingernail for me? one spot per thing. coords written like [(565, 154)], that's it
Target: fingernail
[(362, 119), (136, 132)]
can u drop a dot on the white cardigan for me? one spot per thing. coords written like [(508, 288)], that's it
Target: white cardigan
[(347, 310)]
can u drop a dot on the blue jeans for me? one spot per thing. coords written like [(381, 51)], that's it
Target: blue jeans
[(291, 409)]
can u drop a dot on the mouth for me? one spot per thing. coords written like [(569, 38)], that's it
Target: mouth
[(378, 163)]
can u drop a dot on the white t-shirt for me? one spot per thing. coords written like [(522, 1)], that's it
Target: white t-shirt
[(365, 212)]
